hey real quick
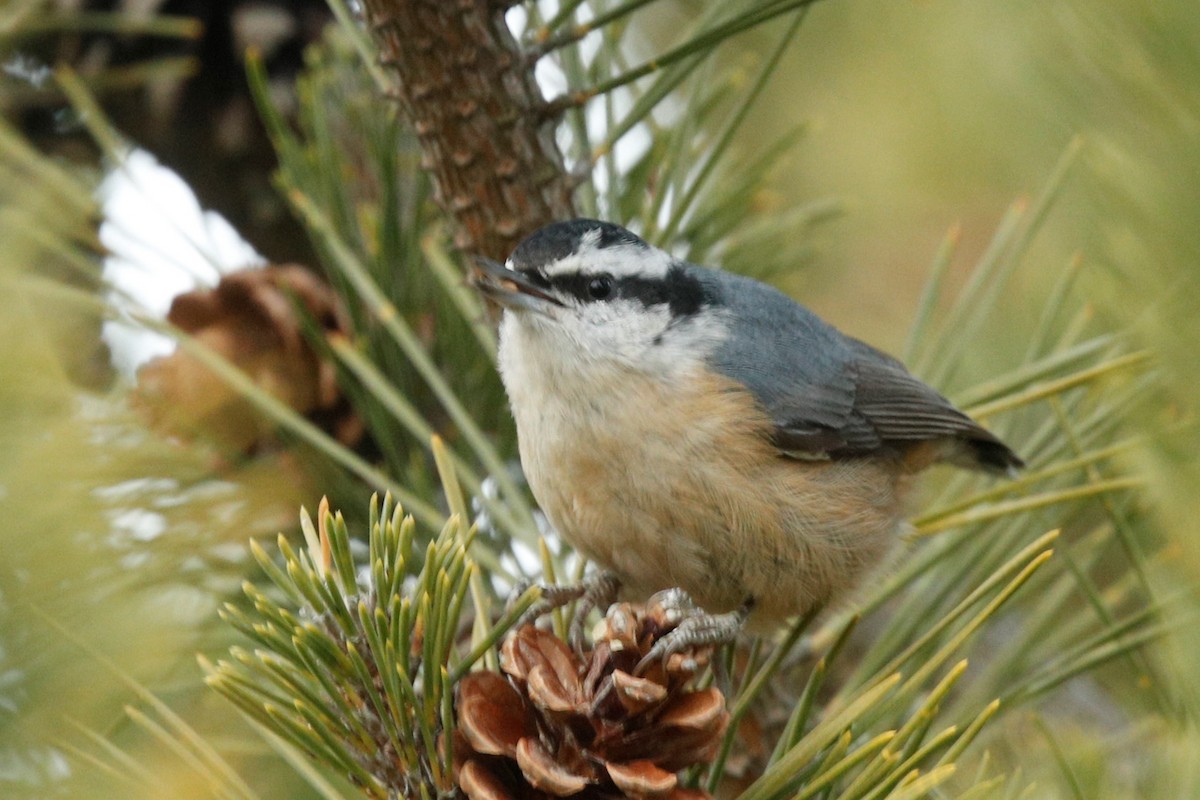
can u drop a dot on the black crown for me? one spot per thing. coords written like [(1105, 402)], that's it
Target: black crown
[(560, 239)]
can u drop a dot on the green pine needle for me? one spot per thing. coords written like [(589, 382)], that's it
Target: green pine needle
[(365, 677)]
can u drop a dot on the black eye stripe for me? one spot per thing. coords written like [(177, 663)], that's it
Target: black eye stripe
[(573, 284), (648, 291), (678, 290)]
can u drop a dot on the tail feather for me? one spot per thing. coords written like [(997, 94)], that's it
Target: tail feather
[(987, 453)]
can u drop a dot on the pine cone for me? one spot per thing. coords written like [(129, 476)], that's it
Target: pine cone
[(559, 725), (249, 319)]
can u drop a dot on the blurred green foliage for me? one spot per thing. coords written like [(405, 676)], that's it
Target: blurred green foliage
[(931, 113), (919, 115)]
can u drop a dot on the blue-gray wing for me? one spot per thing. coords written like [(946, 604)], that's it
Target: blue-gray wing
[(829, 395)]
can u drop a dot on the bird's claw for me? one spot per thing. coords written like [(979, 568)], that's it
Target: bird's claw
[(552, 596), (599, 590), (695, 628)]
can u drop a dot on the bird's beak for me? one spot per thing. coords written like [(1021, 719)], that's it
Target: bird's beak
[(510, 288)]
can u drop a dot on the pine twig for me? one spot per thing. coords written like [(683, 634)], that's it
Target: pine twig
[(469, 93)]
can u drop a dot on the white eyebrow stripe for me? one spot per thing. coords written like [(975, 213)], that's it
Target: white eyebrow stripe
[(620, 261)]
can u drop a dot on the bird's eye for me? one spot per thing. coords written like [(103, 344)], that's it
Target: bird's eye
[(600, 287)]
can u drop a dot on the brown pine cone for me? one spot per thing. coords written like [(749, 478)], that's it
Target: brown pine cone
[(555, 724), (250, 319)]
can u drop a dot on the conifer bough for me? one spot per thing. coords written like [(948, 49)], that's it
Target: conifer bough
[(486, 136)]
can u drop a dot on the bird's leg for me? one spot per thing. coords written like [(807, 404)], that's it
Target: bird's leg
[(598, 590), (696, 627)]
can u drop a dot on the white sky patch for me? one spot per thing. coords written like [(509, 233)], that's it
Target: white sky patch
[(550, 78), (135, 488), (522, 561), (137, 524), (628, 149), (517, 18), (553, 83), (161, 244), (26, 68)]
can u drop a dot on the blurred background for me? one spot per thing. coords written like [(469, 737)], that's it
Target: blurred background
[(919, 117)]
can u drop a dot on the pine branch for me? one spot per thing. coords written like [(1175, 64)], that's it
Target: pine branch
[(469, 92), (360, 672)]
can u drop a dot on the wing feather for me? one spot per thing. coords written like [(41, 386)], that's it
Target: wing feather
[(831, 396)]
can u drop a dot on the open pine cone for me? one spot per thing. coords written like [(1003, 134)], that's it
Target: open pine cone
[(250, 319), (559, 725)]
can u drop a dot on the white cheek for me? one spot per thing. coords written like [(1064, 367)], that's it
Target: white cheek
[(620, 332), (587, 352)]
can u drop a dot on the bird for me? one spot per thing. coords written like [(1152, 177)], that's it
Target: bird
[(691, 429)]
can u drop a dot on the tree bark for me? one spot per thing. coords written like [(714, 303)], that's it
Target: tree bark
[(486, 137)]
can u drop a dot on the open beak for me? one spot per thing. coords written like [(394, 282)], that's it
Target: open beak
[(510, 288)]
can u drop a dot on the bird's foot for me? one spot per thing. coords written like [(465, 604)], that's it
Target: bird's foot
[(600, 591), (596, 591), (694, 627)]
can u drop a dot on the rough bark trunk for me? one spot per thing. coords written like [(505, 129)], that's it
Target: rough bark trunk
[(487, 140)]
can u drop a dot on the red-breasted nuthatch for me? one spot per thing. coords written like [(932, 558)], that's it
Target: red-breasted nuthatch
[(688, 427)]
